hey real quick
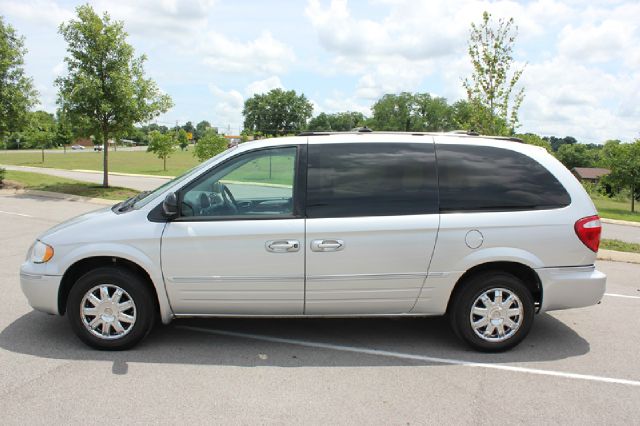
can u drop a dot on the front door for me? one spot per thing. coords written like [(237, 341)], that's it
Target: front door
[(371, 228), (238, 245)]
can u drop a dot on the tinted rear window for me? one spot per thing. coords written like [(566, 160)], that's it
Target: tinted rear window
[(481, 178), (371, 179)]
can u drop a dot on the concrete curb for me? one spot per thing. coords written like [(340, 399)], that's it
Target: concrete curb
[(57, 195), (117, 173), (618, 256), (619, 222)]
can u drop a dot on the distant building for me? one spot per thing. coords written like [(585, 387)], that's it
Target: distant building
[(589, 174)]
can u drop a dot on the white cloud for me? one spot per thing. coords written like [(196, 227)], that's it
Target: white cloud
[(227, 108), (43, 12), (264, 54), (177, 20), (263, 86), (603, 42)]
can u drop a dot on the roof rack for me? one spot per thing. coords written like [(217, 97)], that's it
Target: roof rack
[(368, 130)]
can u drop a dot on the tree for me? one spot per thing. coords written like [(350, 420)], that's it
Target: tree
[(556, 143), (163, 145), (490, 89), (105, 91), (64, 130), (210, 144), (533, 139), (17, 95), (338, 122), (576, 155), (182, 138), (277, 113), (623, 159), (41, 131), (412, 112), (202, 128), (393, 113)]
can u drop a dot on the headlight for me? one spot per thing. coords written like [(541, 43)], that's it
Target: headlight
[(41, 252)]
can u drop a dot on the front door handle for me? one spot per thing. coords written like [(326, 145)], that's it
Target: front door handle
[(327, 245), (282, 246)]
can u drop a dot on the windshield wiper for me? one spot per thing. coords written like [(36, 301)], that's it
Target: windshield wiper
[(129, 202)]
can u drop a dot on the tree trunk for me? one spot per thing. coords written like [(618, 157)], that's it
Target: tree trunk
[(105, 159), (43, 155), (165, 163), (633, 198)]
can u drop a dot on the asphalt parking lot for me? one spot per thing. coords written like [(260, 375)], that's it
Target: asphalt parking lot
[(576, 367)]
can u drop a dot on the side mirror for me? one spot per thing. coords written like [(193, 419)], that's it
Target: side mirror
[(170, 205)]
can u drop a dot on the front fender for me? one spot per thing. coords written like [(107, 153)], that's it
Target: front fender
[(151, 265)]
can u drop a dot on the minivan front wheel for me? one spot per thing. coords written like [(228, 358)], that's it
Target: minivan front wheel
[(110, 308), (493, 311)]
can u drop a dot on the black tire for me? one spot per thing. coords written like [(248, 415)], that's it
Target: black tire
[(471, 290), (135, 289)]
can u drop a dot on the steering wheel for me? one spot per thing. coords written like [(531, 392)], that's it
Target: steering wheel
[(228, 199)]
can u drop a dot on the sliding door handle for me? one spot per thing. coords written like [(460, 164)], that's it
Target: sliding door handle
[(327, 245), (282, 246)]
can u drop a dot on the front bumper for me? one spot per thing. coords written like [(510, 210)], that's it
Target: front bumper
[(571, 287), (41, 290)]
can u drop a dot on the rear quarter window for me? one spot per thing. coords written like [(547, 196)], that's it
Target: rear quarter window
[(482, 178)]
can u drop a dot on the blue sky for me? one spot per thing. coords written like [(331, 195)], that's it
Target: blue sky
[(582, 74)]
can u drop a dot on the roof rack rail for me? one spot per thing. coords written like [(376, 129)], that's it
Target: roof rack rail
[(464, 132)]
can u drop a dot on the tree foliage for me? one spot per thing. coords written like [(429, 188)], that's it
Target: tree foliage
[(417, 112), (105, 92), (623, 159), (210, 144), (182, 139), (202, 128), (577, 155), (490, 90), (533, 139), (278, 112), (337, 122), (17, 95), (163, 145), (40, 132)]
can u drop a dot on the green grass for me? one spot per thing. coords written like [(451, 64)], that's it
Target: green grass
[(67, 186), (140, 162), (619, 246), (614, 209)]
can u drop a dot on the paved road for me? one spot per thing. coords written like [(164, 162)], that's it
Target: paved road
[(140, 183), (339, 371), (630, 234)]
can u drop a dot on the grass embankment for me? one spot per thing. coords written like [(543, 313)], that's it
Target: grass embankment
[(140, 162), (42, 182), (614, 209), (619, 246)]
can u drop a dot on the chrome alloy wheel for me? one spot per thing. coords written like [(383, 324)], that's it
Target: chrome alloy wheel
[(108, 311), (496, 315)]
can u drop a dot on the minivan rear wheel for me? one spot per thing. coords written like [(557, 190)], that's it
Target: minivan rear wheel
[(110, 308), (492, 312)]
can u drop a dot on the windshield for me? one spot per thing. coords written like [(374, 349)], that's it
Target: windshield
[(146, 198)]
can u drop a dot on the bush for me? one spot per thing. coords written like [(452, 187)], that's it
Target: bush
[(1, 175)]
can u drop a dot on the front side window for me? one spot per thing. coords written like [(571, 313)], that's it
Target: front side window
[(258, 183), (371, 179), (483, 178)]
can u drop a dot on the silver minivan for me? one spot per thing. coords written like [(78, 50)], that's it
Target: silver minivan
[(488, 231)]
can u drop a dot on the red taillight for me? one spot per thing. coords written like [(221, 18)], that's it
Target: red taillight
[(588, 230)]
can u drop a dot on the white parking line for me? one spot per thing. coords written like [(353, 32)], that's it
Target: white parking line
[(16, 214), (400, 355), (621, 295)]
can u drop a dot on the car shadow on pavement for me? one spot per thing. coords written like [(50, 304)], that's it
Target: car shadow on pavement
[(186, 342)]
